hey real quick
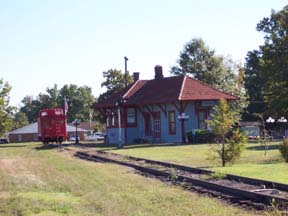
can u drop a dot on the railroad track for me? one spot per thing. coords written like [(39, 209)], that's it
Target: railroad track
[(258, 194)]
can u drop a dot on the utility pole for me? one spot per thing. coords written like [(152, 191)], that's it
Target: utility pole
[(126, 72)]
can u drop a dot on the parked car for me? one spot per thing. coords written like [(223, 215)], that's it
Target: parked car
[(73, 138), (101, 135), (2, 141), (94, 137)]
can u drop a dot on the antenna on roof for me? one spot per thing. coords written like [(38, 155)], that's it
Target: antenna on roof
[(126, 72)]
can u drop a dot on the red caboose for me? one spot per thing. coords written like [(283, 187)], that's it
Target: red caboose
[(52, 125)]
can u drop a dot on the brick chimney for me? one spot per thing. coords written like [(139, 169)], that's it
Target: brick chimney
[(136, 76), (158, 72)]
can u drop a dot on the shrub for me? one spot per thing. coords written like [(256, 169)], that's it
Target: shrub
[(140, 141), (204, 136), (189, 136), (284, 150)]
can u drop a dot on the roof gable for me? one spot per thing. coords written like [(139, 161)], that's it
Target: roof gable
[(165, 90), (158, 91), (196, 90)]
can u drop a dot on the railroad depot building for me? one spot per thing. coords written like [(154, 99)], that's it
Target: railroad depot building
[(159, 110), (29, 133)]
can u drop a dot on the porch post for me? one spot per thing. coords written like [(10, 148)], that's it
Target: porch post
[(182, 123)]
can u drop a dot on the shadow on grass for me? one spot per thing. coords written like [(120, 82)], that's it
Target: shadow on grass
[(148, 145), (13, 145), (51, 146), (131, 146), (262, 147), (94, 145)]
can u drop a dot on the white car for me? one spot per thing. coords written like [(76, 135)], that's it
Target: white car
[(94, 137), (73, 138)]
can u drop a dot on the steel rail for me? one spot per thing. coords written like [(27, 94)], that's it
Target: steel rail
[(246, 180), (228, 190)]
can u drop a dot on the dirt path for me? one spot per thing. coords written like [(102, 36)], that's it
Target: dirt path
[(18, 170)]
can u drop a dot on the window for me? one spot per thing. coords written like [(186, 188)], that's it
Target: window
[(131, 117), (172, 122), (19, 138), (202, 116), (35, 137), (147, 124)]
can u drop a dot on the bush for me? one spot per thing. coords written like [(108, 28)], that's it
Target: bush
[(284, 150), (204, 136), (140, 141), (189, 136)]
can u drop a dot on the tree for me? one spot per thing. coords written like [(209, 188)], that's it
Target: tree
[(80, 101), (253, 84), (6, 122), (31, 108), (268, 66), (51, 99), (114, 81), (199, 61), (20, 119), (221, 123), (224, 74)]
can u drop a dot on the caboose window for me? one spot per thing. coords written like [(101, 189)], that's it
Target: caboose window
[(58, 112), (44, 114)]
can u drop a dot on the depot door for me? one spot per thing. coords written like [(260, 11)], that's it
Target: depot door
[(156, 126)]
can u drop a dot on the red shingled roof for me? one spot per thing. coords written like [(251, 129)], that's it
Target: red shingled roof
[(165, 90), (196, 90)]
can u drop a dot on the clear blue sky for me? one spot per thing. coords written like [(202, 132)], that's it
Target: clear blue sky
[(73, 42)]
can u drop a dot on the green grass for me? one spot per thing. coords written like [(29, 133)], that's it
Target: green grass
[(39, 181), (253, 163)]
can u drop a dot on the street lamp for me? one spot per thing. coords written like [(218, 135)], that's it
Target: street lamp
[(282, 120), (76, 122), (119, 104), (269, 120), (182, 117)]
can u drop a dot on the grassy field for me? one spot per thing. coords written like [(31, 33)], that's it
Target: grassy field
[(252, 164), (39, 181)]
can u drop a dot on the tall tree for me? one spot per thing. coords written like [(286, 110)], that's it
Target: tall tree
[(80, 101), (6, 122), (31, 108), (19, 120), (253, 84), (271, 63), (274, 63), (51, 99), (114, 81), (202, 63)]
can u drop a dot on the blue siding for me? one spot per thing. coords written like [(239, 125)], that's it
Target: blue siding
[(113, 135), (132, 134), (139, 132)]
